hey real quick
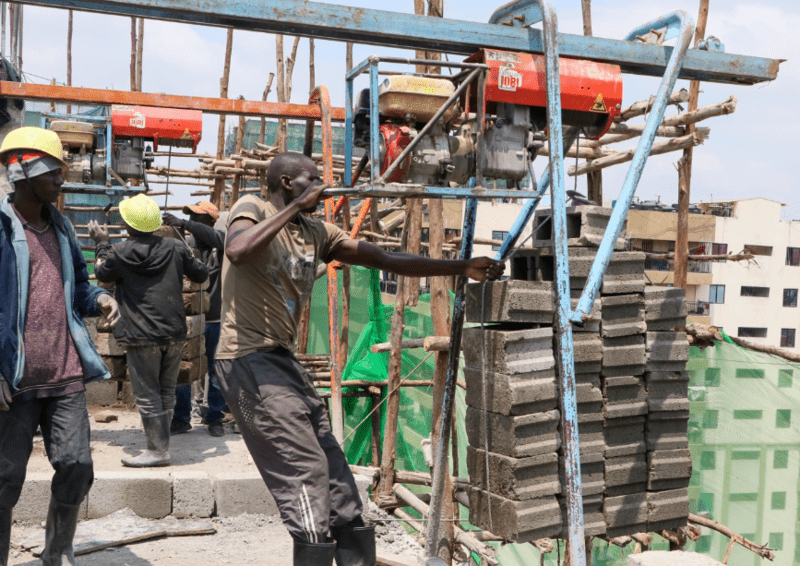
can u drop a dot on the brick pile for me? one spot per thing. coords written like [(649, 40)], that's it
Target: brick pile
[(631, 389)]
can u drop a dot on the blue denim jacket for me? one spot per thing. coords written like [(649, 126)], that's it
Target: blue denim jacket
[(80, 295)]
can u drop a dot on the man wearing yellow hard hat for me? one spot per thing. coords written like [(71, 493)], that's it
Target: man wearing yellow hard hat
[(148, 271), (46, 354)]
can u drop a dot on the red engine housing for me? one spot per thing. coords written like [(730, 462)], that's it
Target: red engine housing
[(395, 139), (165, 126), (591, 93)]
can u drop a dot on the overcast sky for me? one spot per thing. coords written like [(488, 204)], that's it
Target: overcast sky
[(747, 154)]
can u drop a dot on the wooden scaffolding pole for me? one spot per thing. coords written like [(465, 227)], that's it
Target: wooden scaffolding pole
[(594, 179), (69, 55), (219, 184)]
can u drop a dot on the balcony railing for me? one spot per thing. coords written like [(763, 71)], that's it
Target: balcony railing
[(698, 308)]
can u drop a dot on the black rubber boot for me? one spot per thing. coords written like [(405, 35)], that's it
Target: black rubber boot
[(156, 430), (310, 554), (355, 546), (5, 535), (62, 519)]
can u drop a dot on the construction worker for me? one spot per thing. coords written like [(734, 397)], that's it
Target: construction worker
[(211, 243), (148, 271), (46, 354), (272, 253)]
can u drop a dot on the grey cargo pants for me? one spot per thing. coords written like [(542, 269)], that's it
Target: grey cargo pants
[(287, 431)]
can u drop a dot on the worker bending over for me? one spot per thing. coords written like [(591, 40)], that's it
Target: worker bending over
[(272, 252), (46, 354)]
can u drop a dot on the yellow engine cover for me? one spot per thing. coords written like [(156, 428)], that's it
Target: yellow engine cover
[(401, 95)]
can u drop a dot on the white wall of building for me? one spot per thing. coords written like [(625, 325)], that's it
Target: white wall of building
[(497, 217)]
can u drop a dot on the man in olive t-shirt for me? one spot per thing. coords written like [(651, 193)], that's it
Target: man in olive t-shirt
[(271, 256)]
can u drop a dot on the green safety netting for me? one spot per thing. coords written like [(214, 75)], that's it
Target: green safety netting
[(745, 445)]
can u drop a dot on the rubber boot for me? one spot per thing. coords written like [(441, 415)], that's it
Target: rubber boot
[(5, 535), (355, 546), (311, 554), (62, 519), (156, 430)]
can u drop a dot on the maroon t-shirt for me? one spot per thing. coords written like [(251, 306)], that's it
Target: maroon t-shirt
[(52, 365)]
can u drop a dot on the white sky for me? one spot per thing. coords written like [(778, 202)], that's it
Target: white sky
[(745, 156)]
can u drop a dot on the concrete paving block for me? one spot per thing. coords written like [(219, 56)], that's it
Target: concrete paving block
[(625, 355), (667, 351), (511, 301), (588, 352), (191, 286), (623, 315), (665, 308), (518, 479), (625, 474), (194, 348), (667, 509), (591, 437), (667, 430), (591, 378), (668, 469), (107, 345), (103, 393), (592, 474), (117, 365), (624, 396), (192, 494), (509, 351), (517, 521), (516, 436), (585, 227), (625, 514), (517, 394), (625, 273), (148, 493), (594, 523), (667, 391), (671, 558), (625, 436), (195, 326), (34, 499), (363, 484), (591, 321), (242, 493)]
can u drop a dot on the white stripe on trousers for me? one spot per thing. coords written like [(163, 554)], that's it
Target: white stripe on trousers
[(307, 516)]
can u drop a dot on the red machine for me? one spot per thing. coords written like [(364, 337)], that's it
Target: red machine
[(165, 126)]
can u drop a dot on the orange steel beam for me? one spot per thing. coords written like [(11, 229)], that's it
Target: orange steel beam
[(55, 93)]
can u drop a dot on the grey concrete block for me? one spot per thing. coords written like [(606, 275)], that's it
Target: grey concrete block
[(585, 227), (594, 523), (625, 355), (518, 479), (625, 273), (194, 348), (191, 287), (667, 509), (624, 396), (625, 436), (665, 308), (588, 352), (509, 351), (667, 351), (148, 493), (593, 480), (671, 558), (516, 436), (668, 469), (625, 514), (591, 438), (591, 378), (363, 484), (107, 345), (667, 391), (518, 521), (626, 474), (517, 394), (592, 320), (511, 301), (242, 493), (195, 326), (623, 315), (667, 430), (103, 393), (34, 499), (192, 494)]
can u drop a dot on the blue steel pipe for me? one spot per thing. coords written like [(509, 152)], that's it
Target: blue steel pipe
[(685, 25)]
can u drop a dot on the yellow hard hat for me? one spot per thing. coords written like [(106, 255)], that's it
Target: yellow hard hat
[(141, 213), (35, 139)]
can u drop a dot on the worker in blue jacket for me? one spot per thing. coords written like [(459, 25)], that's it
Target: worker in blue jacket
[(46, 353)]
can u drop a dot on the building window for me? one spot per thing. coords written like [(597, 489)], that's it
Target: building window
[(780, 460), (793, 256), (743, 415), (755, 291), (787, 337), (716, 294), (778, 500), (785, 377), (750, 373), (498, 235), (713, 377), (719, 249), (758, 250), (783, 418), (671, 246), (710, 419), (790, 297), (751, 332), (708, 460), (776, 541)]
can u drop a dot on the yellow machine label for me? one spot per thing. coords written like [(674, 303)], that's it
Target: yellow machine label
[(186, 135), (599, 105)]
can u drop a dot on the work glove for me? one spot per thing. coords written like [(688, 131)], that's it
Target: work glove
[(5, 395)]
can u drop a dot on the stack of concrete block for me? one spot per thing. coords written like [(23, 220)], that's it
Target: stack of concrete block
[(631, 389), (193, 358)]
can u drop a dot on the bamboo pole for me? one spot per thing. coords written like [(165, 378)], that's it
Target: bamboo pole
[(219, 185)]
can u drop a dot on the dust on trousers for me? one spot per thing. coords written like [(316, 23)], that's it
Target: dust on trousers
[(287, 431)]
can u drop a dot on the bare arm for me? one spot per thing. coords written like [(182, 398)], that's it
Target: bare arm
[(357, 252)]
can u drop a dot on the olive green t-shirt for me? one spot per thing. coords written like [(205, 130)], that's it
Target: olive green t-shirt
[(263, 299)]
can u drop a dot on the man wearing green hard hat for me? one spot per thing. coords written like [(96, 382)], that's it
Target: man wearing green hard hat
[(46, 353), (148, 271)]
